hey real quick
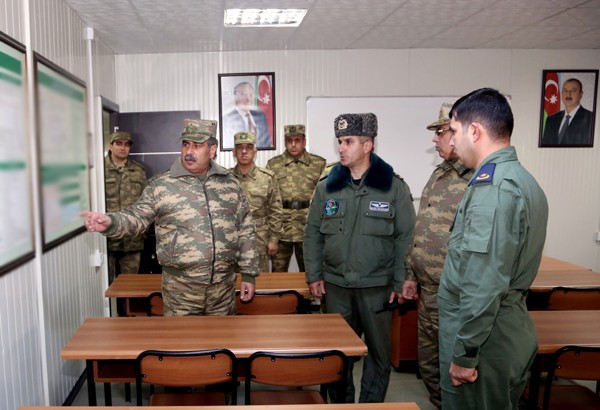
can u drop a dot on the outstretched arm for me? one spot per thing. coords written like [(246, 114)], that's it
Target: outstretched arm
[(95, 222)]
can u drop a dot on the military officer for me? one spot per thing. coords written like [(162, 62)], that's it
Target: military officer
[(437, 207), (359, 229), (298, 172), (204, 229), (124, 181), (487, 338), (263, 195)]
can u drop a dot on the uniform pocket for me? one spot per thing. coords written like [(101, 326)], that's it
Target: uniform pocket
[(379, 222), (478, 229)]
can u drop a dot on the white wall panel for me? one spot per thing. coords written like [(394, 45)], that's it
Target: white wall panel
[(20, 375), (43, 302), (11, 19), (570, 176)]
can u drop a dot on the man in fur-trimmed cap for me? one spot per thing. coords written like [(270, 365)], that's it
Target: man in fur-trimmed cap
[(359, 228)]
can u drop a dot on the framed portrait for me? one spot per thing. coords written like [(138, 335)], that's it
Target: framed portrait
[(568, 108), (247, 103)]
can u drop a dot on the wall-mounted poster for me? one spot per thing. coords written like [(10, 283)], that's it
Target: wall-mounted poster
[(16, 230), (63, 142)]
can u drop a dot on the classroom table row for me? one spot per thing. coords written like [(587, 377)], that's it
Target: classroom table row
[(124, 338), (349, 406)]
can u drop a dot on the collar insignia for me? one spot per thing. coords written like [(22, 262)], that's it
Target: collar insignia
[(485, 174)]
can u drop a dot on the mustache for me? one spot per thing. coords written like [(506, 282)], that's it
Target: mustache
[(189, 157)]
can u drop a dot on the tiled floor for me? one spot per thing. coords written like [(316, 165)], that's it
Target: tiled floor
[(404, 387)]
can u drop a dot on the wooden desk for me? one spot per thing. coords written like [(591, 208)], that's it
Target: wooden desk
[(549, 263), (558, 328), (135, 285), (124, 338), (546, 280), (349, 406), (131, 286)]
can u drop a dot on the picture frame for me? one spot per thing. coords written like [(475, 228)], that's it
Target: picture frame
[(17, 244), (562, 92), (241, 94), (64, 151)]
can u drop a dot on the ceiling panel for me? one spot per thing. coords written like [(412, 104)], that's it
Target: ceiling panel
[(159, 26)]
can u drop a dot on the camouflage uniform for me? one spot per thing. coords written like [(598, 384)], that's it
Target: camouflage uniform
[(203, 229), (437, 207), (123, 186), (263, 195), (297, 179)]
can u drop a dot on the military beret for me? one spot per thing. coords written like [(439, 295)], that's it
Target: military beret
[(444, 116), (120, 135), (361, 125), (291, 130), (244, 137), (199, 130)]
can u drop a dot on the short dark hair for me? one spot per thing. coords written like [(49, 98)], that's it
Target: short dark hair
[(575, 80), (488, 107), (213, 141)]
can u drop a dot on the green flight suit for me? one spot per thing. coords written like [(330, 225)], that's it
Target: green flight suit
[(494, 253)]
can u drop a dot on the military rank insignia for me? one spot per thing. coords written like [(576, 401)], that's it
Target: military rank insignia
[(379, 206), (485, 174)]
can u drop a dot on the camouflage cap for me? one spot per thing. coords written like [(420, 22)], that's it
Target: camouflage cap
[(244, 137), (444, 117), (362, 125), (199, 130), (297, 129), (120, 135)]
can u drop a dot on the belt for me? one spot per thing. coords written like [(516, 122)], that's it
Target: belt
[(295, 204)]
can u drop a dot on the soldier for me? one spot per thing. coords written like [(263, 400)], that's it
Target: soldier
[(263, 195), (213, 144), (203, 229), (437, 207), (124, 180), (487, 338), (298, 172), (358, 232)]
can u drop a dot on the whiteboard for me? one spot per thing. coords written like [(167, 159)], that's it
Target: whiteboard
[(402, 140)]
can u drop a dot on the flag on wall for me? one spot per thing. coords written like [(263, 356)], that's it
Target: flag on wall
[(265, 101), (551, 95)]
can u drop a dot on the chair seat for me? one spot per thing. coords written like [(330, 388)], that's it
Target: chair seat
[(570, 396), (286, 397), (188, 399)]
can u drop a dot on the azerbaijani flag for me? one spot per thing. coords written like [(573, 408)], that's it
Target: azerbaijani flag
[(265, 101), (551, 95)]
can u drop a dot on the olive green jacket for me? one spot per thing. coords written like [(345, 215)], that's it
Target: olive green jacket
[(358, 236)]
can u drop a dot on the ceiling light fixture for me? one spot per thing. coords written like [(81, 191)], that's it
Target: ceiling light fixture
[(264, 17)]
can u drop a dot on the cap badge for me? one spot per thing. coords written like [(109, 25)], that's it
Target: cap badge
[(342, 124)]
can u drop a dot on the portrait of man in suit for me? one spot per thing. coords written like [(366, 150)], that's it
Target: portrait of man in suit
[(573, 125), (245, 117)]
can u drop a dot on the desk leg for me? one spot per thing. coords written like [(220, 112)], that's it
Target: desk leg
[(534, 382), (91, 385)]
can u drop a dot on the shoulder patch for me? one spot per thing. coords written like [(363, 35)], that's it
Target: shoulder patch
[(485, 174)]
